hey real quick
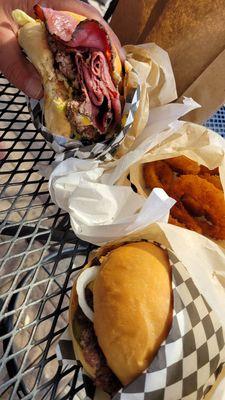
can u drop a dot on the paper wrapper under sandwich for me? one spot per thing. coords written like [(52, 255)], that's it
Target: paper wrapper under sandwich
[(190, 359), (98, 196)]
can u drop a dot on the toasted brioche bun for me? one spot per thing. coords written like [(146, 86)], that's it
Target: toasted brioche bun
[(32, 38), (132, 307)]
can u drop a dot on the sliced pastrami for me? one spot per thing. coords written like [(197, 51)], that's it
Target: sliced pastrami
[(59, 23)]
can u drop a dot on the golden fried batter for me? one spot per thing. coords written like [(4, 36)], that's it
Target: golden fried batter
[(210, 198), (158, 174), (214, 179), (183, 165), (180, 214), (200, 199), (205, 170)]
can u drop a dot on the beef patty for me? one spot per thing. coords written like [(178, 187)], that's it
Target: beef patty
[(85, 335)]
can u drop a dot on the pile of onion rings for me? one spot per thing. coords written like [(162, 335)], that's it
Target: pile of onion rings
[(198, 191)]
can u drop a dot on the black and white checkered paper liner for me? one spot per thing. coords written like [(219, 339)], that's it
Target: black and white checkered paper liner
[(188, 361), (67, 147)]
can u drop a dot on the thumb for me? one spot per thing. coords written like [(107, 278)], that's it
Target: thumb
[(19, 71)]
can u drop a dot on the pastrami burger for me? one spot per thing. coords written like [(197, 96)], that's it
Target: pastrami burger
[(120, 313), (81, 72)]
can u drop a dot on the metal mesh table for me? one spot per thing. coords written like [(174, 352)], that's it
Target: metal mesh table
[(38, 251), (39, 258), (217, 122)]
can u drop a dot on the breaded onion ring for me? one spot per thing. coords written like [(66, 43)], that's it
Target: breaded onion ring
[(205, 170), (183, 165), (208, 197), (214, 179), (181, 217), (158, 174)]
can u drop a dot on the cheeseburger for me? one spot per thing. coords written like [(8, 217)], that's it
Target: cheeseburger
[(120, 312), (80, 69)]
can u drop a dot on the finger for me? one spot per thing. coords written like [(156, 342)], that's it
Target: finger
[(84, 9), (16, 68)]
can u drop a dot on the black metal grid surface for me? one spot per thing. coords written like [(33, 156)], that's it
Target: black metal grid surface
[(38, 252), (217, 122), (39, 257)]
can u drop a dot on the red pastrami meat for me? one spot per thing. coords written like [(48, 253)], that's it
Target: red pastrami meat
[(95, 78), (59, 23), (83, 54)]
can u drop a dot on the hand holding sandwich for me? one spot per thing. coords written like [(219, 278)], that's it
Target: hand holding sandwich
[(13, 63)]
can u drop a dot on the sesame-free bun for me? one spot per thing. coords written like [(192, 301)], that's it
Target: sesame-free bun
[(132, 307)]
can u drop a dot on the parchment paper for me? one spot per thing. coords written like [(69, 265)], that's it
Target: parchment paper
[(100, 207), (157, 83)]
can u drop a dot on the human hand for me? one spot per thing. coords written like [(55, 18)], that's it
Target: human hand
[(13, 64)]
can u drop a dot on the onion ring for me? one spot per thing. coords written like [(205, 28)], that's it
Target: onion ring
[(183, 165), (205, 170), (181, 217), (210, 201), (198, 191), (214, 179), (158, 174)]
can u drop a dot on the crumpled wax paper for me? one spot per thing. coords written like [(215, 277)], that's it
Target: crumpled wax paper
[(99, 212), (157, 86)]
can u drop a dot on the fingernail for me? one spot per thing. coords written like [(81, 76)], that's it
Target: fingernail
[(33, 88)]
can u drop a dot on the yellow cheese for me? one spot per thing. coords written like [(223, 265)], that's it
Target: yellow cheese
[(21, 18)]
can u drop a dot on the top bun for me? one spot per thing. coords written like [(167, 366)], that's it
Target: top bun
[(132, 307)]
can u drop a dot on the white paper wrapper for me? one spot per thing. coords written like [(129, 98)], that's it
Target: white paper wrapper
[(101, 210), (149, 82), (189, 360)]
